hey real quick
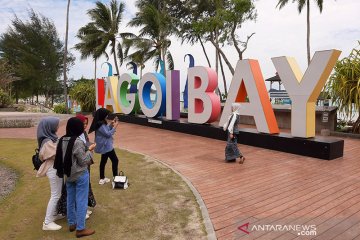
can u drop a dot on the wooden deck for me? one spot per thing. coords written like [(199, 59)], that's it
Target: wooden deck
[(271, 188)]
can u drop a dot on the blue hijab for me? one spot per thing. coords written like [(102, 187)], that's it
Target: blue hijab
[(46, 130)]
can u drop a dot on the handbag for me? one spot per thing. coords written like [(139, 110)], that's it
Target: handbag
[(62, 202), (36, 160), (120, 182)]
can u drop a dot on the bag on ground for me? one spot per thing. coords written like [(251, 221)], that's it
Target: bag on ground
[(120, 182)]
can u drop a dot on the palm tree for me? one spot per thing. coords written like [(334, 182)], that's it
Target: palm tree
[(153, 36), (103, 30), (344, 85), (139, 57), (86, 45), (65, 55), (301, 5)]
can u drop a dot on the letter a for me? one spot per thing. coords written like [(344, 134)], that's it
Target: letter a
[(248, 74), (111, 101)]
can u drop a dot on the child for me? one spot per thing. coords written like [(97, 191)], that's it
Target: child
[(105, 126)]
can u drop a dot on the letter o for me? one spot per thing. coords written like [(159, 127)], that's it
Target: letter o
[(144, 94)]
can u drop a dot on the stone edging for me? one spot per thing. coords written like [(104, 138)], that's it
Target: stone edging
[(204, 212)]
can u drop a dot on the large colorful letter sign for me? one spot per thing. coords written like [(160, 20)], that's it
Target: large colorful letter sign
[(173, 95), (100, 92), (204, 104), (304, 89), (111, 100), (145, 84), (248, 80), (129, 102)]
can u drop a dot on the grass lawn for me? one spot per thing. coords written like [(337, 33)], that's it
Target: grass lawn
[(157, 205)]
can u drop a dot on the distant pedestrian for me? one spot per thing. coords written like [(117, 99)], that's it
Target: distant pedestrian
[(232, 128), (47, 142), (104, 124)]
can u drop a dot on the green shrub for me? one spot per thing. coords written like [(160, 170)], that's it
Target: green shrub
[(61, 109), (5, 99), (16, 123), (84, 93), (20, 109)]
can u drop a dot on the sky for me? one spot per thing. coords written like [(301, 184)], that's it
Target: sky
[(277, 33)]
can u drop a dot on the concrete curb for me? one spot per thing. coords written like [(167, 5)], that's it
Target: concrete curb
[(204, 212), (344, 135)]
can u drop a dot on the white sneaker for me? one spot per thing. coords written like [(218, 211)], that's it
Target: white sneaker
[(58, 217), (103, 181), (88, 212), (51, 226), (87, 216)]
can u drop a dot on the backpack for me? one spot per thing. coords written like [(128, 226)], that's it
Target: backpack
[(36, 158)]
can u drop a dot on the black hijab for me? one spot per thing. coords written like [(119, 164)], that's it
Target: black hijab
[(74, 128), (99, 119)]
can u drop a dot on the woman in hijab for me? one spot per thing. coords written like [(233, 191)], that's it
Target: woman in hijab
[(47, 141), (231, 150), (72, 160), (105, 126), (85, 138)]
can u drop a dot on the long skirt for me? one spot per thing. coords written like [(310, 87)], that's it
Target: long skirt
[(231, 150)]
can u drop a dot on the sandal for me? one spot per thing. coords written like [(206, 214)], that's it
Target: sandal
[(242, 160)]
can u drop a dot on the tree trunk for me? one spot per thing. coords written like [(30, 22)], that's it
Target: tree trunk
[(65, 55), (163, 53), (223, 75), (308, 31), (115, 60), (217, 63), (95, 70), (204, 50), (356, 127), (224, 57)]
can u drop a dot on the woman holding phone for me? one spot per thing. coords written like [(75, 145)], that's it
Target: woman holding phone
[(72, 159), (104, 124)]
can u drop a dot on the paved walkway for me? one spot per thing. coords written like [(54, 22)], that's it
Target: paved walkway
[(282, 190)]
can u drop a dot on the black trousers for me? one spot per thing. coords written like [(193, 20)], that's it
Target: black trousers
[(114, 160)]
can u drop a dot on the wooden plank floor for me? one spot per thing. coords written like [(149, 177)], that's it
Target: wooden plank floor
[(271, 188)]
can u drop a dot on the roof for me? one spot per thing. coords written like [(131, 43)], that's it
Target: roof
[(275, 78)]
